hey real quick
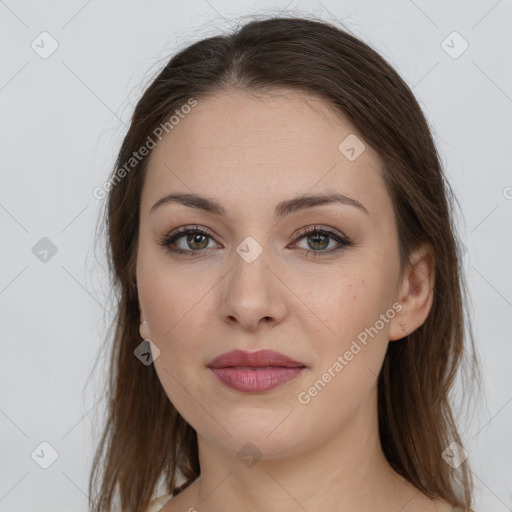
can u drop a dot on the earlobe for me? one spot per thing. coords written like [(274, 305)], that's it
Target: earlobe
[(416, 293), (399, 329), (144, 330), (143, 326)]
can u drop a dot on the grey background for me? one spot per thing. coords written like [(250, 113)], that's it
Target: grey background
[(63, 118)]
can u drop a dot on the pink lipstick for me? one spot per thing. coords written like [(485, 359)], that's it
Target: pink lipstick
[(255, 372)]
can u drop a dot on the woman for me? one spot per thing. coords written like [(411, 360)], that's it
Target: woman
[(291, 314)]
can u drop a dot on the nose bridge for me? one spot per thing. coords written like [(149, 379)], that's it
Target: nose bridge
[(249, 276), (251, 291)]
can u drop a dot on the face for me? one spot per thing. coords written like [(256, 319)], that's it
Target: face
[(256, 276)]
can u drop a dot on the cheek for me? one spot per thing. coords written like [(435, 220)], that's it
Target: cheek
[(346, 303), (172, 297), (179, 308), (355, 313), (351, 354), (175, 310)]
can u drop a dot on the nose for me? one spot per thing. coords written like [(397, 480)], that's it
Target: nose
[(254, 295)]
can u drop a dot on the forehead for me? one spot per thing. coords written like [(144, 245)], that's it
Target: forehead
[(244, 148)]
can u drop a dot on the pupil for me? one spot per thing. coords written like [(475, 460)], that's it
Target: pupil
[(192, 239), (316, 237)]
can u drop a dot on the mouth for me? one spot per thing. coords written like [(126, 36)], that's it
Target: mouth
[(255, 372)]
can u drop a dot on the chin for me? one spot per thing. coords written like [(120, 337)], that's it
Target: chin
[(267, 439)]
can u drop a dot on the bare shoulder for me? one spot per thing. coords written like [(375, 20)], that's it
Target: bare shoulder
[(421, 503), (442, 506), (185, 501), (437, 506)]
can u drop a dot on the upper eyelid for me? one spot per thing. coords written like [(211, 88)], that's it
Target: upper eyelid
[(299, 232)]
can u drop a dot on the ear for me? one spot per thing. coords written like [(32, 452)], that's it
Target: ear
[(415, 293)]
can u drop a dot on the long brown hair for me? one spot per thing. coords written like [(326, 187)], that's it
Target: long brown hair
[(145, 439)]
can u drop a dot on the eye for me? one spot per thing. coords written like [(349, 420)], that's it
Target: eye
[(318, 239), (195, 240), (192, 240)]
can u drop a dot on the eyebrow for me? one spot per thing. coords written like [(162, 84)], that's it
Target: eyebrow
[(284, 208)]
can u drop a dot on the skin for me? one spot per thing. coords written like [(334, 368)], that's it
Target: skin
[(249, 153)]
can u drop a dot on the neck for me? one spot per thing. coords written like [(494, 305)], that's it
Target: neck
[(348, 469)]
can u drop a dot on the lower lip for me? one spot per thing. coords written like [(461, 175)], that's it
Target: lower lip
[(256, 380)]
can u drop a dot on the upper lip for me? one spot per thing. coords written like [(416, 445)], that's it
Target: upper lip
[(256, 359)]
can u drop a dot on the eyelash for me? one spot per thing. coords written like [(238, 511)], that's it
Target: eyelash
[(344, 241)]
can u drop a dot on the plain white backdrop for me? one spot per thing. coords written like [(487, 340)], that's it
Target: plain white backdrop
[(71, 74)]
